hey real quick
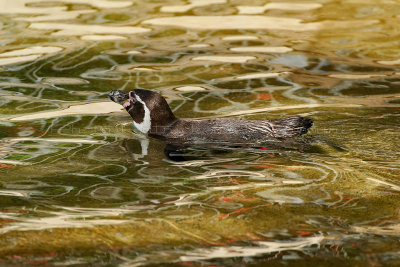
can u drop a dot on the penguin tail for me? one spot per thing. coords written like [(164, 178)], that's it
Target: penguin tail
[(290, 126)]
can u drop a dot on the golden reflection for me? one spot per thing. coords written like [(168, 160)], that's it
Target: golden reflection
[(235, 22), (390, 62), (193, 4), (190, 88), (253, 23), (79, 29), (102, 37), (32, 50), (239, 38), (19, 59), (233, 59), (282, 6), (262, 49), (96, 108)]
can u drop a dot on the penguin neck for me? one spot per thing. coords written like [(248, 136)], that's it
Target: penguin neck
[(161, 121)]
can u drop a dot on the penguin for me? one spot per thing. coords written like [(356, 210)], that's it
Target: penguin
[(152, 115)]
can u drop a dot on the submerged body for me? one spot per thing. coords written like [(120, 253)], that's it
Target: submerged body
[(152, 115), (235, 130)]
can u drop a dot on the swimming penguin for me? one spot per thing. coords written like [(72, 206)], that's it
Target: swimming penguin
[(152, 115)]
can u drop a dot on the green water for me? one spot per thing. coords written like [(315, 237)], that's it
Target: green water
[(78, 187)]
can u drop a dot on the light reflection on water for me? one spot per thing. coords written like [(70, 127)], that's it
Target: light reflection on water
[(78, 186)]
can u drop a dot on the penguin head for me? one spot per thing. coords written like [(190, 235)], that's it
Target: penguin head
[(149, 110)]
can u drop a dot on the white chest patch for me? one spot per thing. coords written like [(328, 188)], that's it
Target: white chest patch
[(145, 125)]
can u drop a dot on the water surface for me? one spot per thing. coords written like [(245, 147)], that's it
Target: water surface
[(78, 187)]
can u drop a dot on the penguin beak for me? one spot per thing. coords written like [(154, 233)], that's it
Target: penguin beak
[(118, 96)]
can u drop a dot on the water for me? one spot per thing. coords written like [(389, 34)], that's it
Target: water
[(77, 187)]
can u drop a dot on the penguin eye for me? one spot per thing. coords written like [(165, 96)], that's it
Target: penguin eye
[(132, 96)]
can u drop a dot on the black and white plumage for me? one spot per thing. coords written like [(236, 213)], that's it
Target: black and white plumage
[(152, 115)]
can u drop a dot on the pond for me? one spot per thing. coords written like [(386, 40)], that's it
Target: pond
[(78, 187)]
